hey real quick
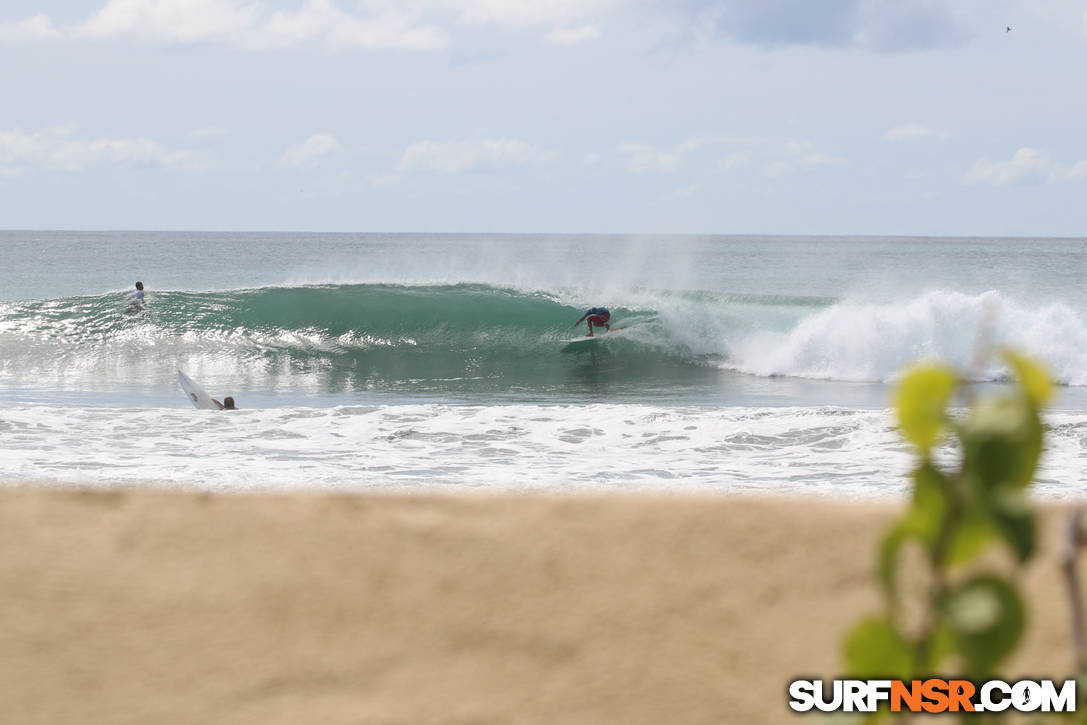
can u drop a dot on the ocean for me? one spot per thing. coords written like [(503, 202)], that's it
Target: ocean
[(442, 362)]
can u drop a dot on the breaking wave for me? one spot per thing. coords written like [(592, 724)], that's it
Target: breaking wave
[(367, 336)]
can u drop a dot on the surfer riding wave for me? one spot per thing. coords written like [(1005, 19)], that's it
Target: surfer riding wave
[(599, 316)]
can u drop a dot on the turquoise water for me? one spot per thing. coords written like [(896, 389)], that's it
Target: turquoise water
[(759, 363)]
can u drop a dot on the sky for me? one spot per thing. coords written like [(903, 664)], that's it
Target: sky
[(867, 117)]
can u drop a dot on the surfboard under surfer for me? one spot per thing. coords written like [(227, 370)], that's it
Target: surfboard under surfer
[(599, 316)]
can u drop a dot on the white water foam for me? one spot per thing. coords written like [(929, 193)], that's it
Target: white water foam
[(856, 341), (824, 451)]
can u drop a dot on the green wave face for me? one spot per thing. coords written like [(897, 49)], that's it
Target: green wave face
[(343, 337)]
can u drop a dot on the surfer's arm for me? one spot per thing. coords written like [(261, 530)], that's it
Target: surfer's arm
[(221, 406), (582, 318)]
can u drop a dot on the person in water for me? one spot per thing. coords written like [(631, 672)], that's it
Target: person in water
[(227, 404), (598, 316), (135, 300)]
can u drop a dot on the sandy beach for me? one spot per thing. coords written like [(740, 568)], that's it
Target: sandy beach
[(136, 606)]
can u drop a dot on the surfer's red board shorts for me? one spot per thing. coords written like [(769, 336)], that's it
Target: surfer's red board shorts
[(599, 320)]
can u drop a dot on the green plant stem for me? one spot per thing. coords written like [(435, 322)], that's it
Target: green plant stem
[(938, 565)]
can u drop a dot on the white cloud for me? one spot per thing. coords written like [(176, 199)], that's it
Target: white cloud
[(30, 30), (732, 161), (205, 133), (78, 155), (778, 168), (590, 160), (53, 149), (762, 151), (774, 156), (527, 13), (572, 36), (643, 158), (914, 131), (1076, 172), (17, 147), (458, 156), (1026, 166), (380, 181), (796, 147), (322, 18), (820, 159), (241, 24), (178, 21), (801, 154), (683, 192), (314, 147), (370, 24)]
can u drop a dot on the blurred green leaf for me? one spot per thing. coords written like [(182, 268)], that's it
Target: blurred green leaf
[(1012, 516), (853, 718), (923, 521), (972, 533), (874, 648), (1037, 384), (1002, 443), (955, 516), (1081, 698), (938, 644), (931, 494), (986, 617), (888, 557), (921, 401)]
